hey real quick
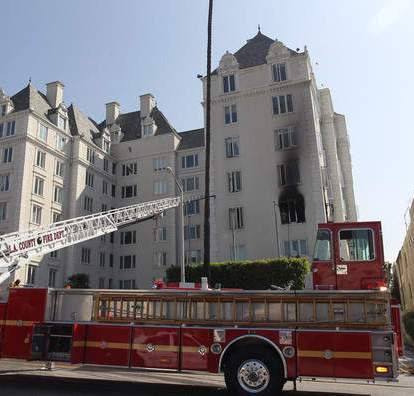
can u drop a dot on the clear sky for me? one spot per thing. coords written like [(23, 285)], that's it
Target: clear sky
[(117, 50)]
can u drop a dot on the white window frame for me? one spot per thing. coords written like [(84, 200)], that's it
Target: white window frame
[(60, 142), (43, 132), (38, 186), (129, 169), (41, 159), (285, 138), (7, 155), (59, 168), (160, 234), (3, 212), (232, 146), (192, 232), (90, 155), (301, 247), (283, 172), (277, 107), (36, 214), (11, 128), (5, 182), (231, 112), (185, 160), (58, 195), (160, 187), (234, 181), (236, 216), (277, 72), (228, 78)]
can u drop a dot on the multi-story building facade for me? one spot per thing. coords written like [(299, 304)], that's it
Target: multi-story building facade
[(404, 268), (280, 164)]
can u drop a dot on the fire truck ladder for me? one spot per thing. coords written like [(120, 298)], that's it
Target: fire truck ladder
[(19, 246)]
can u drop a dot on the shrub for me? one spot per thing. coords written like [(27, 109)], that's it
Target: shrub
[(249, 275), (408, 320)]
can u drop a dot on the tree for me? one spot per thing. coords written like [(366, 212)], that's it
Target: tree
[(78, 281)]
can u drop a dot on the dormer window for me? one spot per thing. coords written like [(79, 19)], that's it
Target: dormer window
[(148, 130), (229, 83), (60, 142), (3, 110), (148, 127), (106, 145), (279, 72), (61, 122)]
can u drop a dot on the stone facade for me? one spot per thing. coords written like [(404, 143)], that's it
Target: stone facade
[(280, 165), (404, 266)]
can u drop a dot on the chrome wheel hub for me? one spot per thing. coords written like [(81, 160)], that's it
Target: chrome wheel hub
[(253, 376)]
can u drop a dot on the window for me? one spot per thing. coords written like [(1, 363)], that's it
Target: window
[(159, 164), (31, 274), (236, 218), (3, 211), (52, 278), (234, 181), (4, 183), (90, 155), (60, 142), (148, 130), (106, 145), (58, 194), (85, 255), (127, 262), (102, 259), (89, 179), (42, 132), (1, 129), (230, 114), (113, 168), (104, 187), (36, 214), (296, 247), (229, 83), (7, 154), (104, 207), (101, 283), (161, 259), (160, 187), (38, 186), (111, 237), (238, 252), (41, 159), (88, 204), (232, 147), (279, 72), (282, 104), (285, 138), (193, 256), (60, 169), (292, 207), (11, 126), (128, 237), (113, 190), (192, 231), (190, 183), (127, 284), (192, 208), (289, 173), (189, 161), (105, 164), (61, 122), (3, 110), (323, 246), (110, 283), (129, 191), (111, 260), (54, 254), (129, 169), (160, 234), (356, 245), (56, 217)]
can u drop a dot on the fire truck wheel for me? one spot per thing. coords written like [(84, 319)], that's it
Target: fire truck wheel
[(254, 372)]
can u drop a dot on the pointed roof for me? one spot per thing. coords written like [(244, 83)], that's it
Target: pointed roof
[(30, 98), (254, 52), (81, 124), (130, 124)]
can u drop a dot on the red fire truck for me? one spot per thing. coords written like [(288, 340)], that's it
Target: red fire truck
[(342, 328)]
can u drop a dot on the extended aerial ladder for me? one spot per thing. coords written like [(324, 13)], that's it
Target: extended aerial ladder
[(18, 247)]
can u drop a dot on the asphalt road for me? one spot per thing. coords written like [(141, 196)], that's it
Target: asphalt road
[(18, 385)]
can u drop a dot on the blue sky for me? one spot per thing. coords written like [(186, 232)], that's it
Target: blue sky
[(117, 50)]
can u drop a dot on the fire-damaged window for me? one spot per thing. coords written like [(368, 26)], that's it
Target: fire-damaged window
[(292, 207), (289, 173)]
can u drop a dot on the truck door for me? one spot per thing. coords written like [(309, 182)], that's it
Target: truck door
[(356, 262), (323, 265)]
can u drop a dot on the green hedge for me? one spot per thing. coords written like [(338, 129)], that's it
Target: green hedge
[(408, 320), (249, 275)]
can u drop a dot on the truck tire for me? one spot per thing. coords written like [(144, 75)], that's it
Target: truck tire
[(254, 372)]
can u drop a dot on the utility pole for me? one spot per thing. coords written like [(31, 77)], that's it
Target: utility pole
[(206, 264)]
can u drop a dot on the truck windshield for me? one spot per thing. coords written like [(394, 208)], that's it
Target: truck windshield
[(356, 245), (322, 251)]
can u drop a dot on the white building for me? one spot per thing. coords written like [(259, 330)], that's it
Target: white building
[(280, 165)]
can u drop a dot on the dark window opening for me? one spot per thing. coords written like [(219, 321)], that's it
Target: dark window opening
[(292, 207)]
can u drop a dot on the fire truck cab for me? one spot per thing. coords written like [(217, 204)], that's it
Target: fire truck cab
[(349, 256)]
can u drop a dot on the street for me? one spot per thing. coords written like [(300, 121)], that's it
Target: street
[(25, 378)]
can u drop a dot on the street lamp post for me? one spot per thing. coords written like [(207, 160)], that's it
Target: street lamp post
[(180, 188)]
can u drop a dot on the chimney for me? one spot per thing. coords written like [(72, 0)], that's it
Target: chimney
[(147, 103), (54, 93), (112, 112)]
